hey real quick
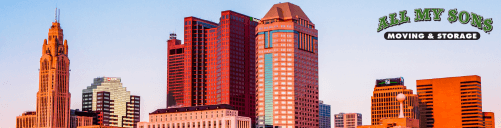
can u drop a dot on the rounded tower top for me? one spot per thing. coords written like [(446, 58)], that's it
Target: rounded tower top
[(400, 97)]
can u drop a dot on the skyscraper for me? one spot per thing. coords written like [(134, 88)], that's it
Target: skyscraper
[(324, 115), (451, 102), (175, 71), (108, 97), (287, 68), (53, 97), (219, 63), (385, 105), (347, 120)]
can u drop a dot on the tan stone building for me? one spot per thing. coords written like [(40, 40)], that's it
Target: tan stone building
[(108, 96), (26, 120), (210, 116)]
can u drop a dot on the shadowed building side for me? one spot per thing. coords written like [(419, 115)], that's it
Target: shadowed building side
[(324, 115)]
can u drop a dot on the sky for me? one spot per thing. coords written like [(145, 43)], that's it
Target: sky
[(127, 39)]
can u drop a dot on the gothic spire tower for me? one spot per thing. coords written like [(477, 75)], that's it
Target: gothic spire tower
[(53, 97)]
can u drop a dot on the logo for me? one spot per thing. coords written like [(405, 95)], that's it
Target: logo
[(464, 17)]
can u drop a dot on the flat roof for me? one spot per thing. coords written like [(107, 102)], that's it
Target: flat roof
[(194, 108)]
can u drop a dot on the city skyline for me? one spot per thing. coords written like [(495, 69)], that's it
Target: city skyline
[(20, 48)]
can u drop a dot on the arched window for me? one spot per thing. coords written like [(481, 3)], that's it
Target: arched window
[(45, 65)]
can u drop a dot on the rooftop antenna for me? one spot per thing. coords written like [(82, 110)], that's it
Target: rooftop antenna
[(59, 15), (55, 15)]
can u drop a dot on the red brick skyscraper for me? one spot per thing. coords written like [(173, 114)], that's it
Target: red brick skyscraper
[(175, 71), (53, 97), (219, 63), (287, 69)]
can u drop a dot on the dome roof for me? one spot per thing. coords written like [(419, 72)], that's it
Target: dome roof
[(285, 11)]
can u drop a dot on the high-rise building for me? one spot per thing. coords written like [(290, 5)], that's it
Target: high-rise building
[(26, 120), (451, 102), (385, 105), (489, 121), (219, 64), (287, 69), (108, 97), (324, 115), (208, 116), (175, 72), (53, 97), (347, 120), (230, 61)]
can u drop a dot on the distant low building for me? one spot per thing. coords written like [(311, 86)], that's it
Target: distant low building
[(395, 123), (347, 120), (489, 119), (99, 126), (83, 118), (324, 115), (210, 116), (26, 120), (401, 121)]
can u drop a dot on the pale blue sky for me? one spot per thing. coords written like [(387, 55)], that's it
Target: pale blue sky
[(128, 39)]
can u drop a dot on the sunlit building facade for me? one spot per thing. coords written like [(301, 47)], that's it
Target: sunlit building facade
[(107, 96), (287, 69), (451, 102), (53, 96), (385, 105), (489, 121), (209, 116), (26, 120), (347, 120), (175, 72), (219, 64)]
